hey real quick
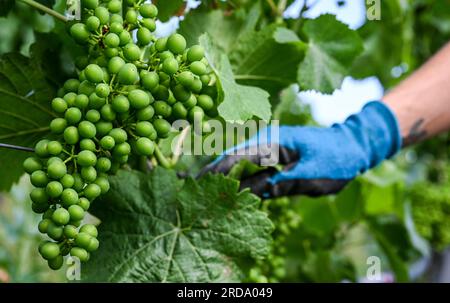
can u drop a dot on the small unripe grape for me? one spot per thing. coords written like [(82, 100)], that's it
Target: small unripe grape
[(73, 115), (107, 112), (125, 38), (90, 4), (89, 174), (41, 148), (205, 80), (205, 102), (145, 146), (80, 32), (56, 170), (92, 191), (161, 93), (87, 129), (103, 164), (84, 203), (76, 213), (93, 245), (170, 66), (162, 127), (49, 250), (198, 68), (93, 116), (116, 28), (88, 144), (128, 74), (145, 113), (180, 93), (67, 181), (196, 113), (176, 43), (120, 104), (179, 111), (144, 36), (186, 79), (115, 6), (112, 40), (132, 52), (71, 135), (138, 99), (161, 44), (31, 165), (92, 23), (144, 129), (149, 24), (86, 158), (150, 81), (39, 178), (111, 52), (54, 148), (131, 16), (59, 105), (103, 128), (86, 88), (115, 64), (102, 90), (121, 159), (119, 135), (107, 142), (70, 98), (70, 231), (54, 189), (148, 10), (94, 73), (61, 216), (116, 18), (82, 101), (166, 55), (162, 109), (196, 86), (79, 253), (43, 225), (102, 14), (195, 53), (103, 183), (69, 197), (56, 263), (82, 240), (39, 196), (122, 149), (58, 125)]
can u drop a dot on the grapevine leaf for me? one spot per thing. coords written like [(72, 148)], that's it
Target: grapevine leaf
[(168, 9), (225, 29), (332, 47), (157, 228), (268, 58), (240, 103), (25, 111), (5, 7)]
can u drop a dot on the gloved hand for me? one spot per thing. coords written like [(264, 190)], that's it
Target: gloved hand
[(317, 161)]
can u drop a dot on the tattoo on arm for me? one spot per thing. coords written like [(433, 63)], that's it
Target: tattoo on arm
[(416, 134)]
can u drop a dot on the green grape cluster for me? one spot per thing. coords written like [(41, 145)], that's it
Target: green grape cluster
[(120, 106)]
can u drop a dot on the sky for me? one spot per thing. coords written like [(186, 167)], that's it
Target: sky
[(354, 94)]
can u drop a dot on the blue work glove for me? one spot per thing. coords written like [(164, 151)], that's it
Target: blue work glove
[(318, 161)]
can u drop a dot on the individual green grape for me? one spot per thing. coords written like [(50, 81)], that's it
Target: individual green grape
[(180, 93), (32, 164), (89, 229), (84, 203), (70, 231), (176, 43), (102, 14), (206, 79), (186, 78), (71, 135), (149, 24), (144, 129), (195, 53), (196, 113), (128, 74), (198, 68), (145, 146), (196, 86), (148, 10), (115, 64), (103, 183), (39, 196), (43, 225), (83, 239), (80, 33), (144, 36), (69, 197), (82, 101), (79, 253), (56, 170), (87, 130), (179, 111), (145, 113), (79, 184), (92, 23), (103, 128), (54, 148), (125, 38), (131, 16), (59, 105), (205, 102), (103, 164), (90, 4), (89, 174), (86, 88), (102, 90), (58, 125), (73, 115), (93, 245), (163, 109), (132, 52), (162, 127), (86, 158), (71, 85), (41, 148), (56, 263), (170, 66), (107, 142), (150, 80), (122, 149), (93, 116), (112, 40), (119, 135), (120, 104), (70, 98), (164, 56), (39, 178), (94, 73), (107, 112), (67, 181), (54, 189), (76, 213), (138, 99), (61, 216), (49, 250), (161, 44)]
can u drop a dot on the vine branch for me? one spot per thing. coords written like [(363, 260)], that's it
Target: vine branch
[(45, 9), (16, 147)]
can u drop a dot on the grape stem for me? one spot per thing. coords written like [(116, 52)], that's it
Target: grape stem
[(46, 9), (15, 147)]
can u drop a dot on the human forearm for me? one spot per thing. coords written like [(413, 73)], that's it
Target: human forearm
[(422, 102)]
